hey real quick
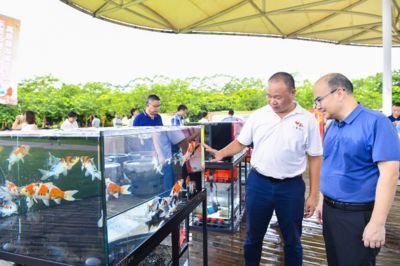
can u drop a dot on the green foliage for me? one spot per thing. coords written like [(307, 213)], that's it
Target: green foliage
[(52, 100)]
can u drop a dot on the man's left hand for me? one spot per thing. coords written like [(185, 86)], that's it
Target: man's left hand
[(310, 205), (374, 235)]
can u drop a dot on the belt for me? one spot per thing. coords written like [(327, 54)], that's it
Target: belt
[(273, 179), (348, 206)]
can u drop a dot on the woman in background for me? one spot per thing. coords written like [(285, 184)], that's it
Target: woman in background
[(25, 122)]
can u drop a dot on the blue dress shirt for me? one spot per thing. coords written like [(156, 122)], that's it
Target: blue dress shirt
[(352, 149)]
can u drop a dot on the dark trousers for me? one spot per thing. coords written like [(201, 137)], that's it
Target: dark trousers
[(343, 230), (263, 196)]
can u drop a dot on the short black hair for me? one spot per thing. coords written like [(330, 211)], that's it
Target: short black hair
[(182, 107), (152, 98), (231, 112), (336, 80), (204, 114), (133, 110), (397, 104), (285, 77), (72, 114)]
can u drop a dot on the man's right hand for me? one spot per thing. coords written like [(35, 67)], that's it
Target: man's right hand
[(217, 154)]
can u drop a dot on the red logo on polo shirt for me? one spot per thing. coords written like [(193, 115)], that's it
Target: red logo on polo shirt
[(298, 125)]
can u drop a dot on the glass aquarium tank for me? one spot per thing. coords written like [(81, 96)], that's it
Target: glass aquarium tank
[(223, 200), (219, 134), (92, 196)]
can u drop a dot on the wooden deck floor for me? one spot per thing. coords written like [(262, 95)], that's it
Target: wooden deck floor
[(227, 249)]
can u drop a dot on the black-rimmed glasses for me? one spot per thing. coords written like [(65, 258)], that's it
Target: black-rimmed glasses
[(318, 100)]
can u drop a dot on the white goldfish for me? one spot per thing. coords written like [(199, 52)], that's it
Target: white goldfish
[(17, 155), (59, 166), (157, 166), (88, 164), (115, 189), (10, 188), (7, 206)]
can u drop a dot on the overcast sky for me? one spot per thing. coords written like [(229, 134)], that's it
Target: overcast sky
[(77, 48)]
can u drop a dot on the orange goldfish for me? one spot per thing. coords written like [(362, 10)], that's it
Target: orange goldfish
[(17, 155), (11, 188), (48, 191), (189, 152), (176, 188), (115, 189), (29, 192)]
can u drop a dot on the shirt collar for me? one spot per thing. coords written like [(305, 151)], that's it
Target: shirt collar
[(350, 118), (297, 110)]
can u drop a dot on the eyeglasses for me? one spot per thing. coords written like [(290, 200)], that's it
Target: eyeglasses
[(318, 100)]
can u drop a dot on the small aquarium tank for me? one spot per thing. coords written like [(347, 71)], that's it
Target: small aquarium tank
[(92, 196)]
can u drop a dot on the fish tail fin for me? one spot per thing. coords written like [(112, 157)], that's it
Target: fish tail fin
[(124, 190), (45, 174), (69, 195)]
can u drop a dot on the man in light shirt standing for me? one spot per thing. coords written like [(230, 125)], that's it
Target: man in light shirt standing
[(70, 122), (285, 136)]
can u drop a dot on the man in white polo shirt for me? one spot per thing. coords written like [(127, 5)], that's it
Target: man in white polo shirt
[(285, 136)]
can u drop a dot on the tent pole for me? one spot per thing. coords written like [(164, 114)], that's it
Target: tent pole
[(387, 56)]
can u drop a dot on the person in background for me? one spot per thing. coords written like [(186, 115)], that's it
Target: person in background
[(124, 121), (395, 116), (117, 122), (178, 119), (204, 116), (285, 138), (231, 118), (95, 121), (70, 122), (150, 116), (358, 175), (134, 113), (25, 122)]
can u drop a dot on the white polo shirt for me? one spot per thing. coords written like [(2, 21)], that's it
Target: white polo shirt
[(281, 145)]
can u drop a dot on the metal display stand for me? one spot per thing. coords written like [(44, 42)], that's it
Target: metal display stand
[(235, 211), (172, 227)]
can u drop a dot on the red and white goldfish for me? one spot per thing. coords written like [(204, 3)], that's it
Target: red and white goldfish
[(115, 189), (176, 188), (29, 192), (11, 188), (48, 191), (189, 152), (45, 192), (59, 166), (17, 155), (88, 164)]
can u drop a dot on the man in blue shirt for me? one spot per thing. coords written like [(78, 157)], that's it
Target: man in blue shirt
[(358, 175), (177, 120), (395, 116), (150, 116), (231, 118)]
